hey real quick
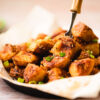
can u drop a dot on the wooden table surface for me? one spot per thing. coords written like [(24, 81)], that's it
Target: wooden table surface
[(13, 11)]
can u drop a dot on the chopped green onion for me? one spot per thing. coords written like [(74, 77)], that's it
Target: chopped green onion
[(89, 52), (6, 63), (21, 80), (62, 78), (48, 58), (2, 24), (92, 56), (95, 40), (32, 82), (40, 82), (62, 54)]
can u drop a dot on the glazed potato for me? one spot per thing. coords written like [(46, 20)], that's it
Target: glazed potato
[(57, 61), (56, 73), (16, 72), (21, 47), (83, 32), (94, 47), (81, 67), (64, 50), (41, 46), (34, 73), (58, 32), (23, 58), (41, 36), (7, 53), (66, 45), (83, 54)]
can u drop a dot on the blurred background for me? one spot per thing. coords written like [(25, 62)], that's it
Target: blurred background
[(13, 11)]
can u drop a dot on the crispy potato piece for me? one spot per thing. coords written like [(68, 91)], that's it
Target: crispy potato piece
[(41, 36), (7, 53), (66, 45), (83, 54), (56, 73), (34, 73), (16, 72), (41, 46), (57, 61), (21, 47), (94, 47), (83, 32), (23, 58), (58, 32), (81, 67)]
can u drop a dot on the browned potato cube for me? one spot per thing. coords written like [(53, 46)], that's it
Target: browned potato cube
[(83, 32), (66, 45), (34, 73), (81, 67), (16, 72), (7, 53), (94, 47), (41, 36), (57, 61), (56, 73), (23, 58), (84, 54), (41, 46)]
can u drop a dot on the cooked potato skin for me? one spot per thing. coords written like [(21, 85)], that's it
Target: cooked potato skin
[(7, 53), (81, 67), (41, 46), (59, 62), (94, 47), (23, 58), (41, 36), (34, 73), (56, 73), (16, 72), (83, 32)]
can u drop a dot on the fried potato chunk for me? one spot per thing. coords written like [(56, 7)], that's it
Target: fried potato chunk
[(23, 58), (82, 32), (81, 67), (66, 45), (16, 72), (56, 73), (57, 61), (34, 73), (84, 54), (7, 53), (94, 47), (41, 36), (41, 46)]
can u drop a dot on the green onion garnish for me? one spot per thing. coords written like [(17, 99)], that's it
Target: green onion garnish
[(90, 54), (6, 63), (32, 82), (47, 37), (21, 80), (40, 82), (48, 58), (62, 78), (62, 54), (2, 24), (95, 40)]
